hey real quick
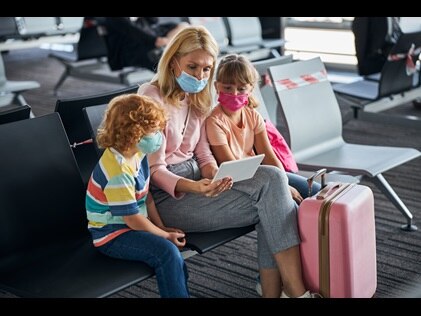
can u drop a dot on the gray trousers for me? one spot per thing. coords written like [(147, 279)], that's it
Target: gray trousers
[(264, 200)]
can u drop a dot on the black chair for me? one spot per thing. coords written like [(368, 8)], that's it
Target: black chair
[(45, 247), (12, 113), (93, 117), (200, 242), (394, 86), (77, 130), (393, 77)]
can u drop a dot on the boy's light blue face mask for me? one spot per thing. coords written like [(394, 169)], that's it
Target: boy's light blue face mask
[(189, 83), (150, 143)]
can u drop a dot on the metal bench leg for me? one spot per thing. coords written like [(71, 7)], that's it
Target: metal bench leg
[(275, 53), (387, 190), (21, 101), (63, 77)]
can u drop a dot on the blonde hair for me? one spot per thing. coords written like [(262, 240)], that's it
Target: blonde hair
[(184, 42), (233, 69), (127, 118)]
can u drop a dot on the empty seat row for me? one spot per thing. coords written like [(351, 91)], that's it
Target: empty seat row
[(88, 59), (240, 35), (33, 27)]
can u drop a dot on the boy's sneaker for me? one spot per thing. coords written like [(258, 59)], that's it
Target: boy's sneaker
[(307, 294)]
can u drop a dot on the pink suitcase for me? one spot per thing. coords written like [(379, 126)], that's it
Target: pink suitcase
[(338, 242)]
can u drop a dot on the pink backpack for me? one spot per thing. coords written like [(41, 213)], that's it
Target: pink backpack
[(280, 147)]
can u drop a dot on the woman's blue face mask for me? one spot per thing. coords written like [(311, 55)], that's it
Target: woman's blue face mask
[(189, 83)]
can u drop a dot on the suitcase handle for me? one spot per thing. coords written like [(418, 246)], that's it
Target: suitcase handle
[(310, 180), (327, 191)]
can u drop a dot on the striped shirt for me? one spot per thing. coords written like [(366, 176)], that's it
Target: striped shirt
[(115, 190)]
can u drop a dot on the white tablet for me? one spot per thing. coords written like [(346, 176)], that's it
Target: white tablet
[(239, 169)]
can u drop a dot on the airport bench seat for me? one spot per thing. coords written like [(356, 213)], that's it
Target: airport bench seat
[(45, 247)]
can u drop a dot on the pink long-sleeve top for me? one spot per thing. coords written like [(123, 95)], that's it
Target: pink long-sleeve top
[(184, 137)]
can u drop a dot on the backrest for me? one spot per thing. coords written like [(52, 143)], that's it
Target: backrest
[(410, 24), (70, 111), (71, 24), (266, 92), (394, 78), (115, 31), (12, 113), (40, 26), (171, 19), (91, 44), (42, 197), (262, 108), (77, 130), (215, 26), (244, 30), (3, 78), (7, 27), (36, 26), (94, 116), (262, 66), (308, 106)]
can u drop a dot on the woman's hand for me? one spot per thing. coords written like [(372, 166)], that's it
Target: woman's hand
[(205, 186), (296, 196), (209, 189)]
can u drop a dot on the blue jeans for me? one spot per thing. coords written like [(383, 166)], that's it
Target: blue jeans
[(159, 253), (300, 183)]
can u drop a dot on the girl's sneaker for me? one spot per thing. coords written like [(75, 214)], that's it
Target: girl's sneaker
[(307, 294)]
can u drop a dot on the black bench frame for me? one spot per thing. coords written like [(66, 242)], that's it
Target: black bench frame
[(45, 247), (77, 130)]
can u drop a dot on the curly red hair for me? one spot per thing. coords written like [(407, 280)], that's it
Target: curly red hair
[(127, 118)]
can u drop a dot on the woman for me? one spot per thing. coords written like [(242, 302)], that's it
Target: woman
[(183, 167)]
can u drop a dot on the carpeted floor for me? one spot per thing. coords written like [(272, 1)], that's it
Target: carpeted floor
[(230, 270)]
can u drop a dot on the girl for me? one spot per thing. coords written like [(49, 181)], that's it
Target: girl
[(235, 130)]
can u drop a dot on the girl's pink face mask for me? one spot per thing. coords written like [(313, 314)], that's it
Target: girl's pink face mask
[(233, 102)]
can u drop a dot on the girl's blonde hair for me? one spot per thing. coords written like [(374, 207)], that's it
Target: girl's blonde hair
[(127, 118), (184, 42), (234, 69)]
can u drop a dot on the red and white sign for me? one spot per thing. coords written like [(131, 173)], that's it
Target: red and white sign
[(301, 81)]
